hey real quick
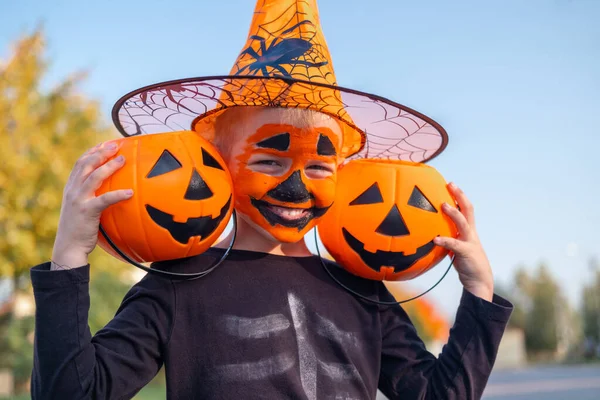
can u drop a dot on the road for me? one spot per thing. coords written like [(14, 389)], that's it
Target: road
[(578, 382), (581, 382)]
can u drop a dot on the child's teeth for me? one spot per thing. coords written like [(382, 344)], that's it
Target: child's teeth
[(290, 213)]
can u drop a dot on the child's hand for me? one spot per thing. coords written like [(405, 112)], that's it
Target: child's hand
[(471, 263), (77, 232)]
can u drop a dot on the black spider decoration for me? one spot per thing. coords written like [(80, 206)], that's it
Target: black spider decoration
[(280, 52)]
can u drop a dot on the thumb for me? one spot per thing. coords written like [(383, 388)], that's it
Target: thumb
[(107, 199), (451, 244)]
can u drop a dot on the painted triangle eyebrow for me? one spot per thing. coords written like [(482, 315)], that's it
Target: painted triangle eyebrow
[(280, 142), (325, 147)]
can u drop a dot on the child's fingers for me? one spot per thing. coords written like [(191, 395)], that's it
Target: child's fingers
[(464, 229), (100, 203), (464, 204), (88, 163), (95, 179), (451, 244)]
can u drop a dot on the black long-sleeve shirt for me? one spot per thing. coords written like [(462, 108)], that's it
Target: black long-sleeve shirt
[(259, 326)]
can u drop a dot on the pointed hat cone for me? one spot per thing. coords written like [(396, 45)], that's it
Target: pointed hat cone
[(284, 63)]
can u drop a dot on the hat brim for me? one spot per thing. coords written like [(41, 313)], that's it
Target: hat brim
[(389, 130)]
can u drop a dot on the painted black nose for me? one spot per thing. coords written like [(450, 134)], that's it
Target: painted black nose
[(393, 224), (197, 188), (292, 190)]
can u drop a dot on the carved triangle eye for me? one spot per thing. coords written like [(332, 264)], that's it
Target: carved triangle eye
[(210, 161), (370, 196), (418, 200), (166, 163), (197, 188)]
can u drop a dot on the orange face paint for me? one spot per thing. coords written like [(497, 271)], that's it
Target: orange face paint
[(271, 182)]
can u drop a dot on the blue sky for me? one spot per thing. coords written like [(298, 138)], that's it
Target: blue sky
[(515, 83)]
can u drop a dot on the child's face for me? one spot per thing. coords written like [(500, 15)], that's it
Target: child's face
[(284, 174)]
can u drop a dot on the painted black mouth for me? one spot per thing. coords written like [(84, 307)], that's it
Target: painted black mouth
[(275, 219), (183, 231), (380, 258)]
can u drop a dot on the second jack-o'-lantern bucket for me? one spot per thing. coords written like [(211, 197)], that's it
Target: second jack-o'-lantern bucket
[(385, 218)]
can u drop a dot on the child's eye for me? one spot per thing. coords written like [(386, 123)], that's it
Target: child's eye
[(320, 168), (269, 162)]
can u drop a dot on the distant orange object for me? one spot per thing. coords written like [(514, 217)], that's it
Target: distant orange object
[(430, 319), (385, 218), (182, 197)]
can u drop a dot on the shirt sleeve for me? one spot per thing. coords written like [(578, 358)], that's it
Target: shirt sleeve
[(409, 371), (115, 363)]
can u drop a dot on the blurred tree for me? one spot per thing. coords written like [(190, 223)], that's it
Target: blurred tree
[(106, 293), (42, 133), (542, 311), (20, 344), (543, 317), (520, 295), (590, 311)]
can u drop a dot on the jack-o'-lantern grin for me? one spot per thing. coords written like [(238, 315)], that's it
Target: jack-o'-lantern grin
[(382, 258), (195, 226)]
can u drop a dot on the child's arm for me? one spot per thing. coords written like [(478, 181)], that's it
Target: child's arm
[(409, 371), (463, 368), (119, 360), (126, 354)]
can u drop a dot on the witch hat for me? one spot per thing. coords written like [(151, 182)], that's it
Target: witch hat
[(284, 63)]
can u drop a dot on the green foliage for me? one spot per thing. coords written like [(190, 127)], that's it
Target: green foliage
[(5, 320), (541, 325), (590, 310), (18, 397), (541, 311), (152, 392), (20, 343), (106, 294), (521, 298)]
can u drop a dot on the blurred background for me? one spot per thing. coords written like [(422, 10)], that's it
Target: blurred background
[(516, 85)]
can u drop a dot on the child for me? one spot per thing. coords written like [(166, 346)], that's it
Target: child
[(269, 323)]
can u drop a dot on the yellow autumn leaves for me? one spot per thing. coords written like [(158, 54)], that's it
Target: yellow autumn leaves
[(42, 133)]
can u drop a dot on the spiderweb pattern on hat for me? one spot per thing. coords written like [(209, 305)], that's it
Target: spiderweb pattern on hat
[(285, 63)]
